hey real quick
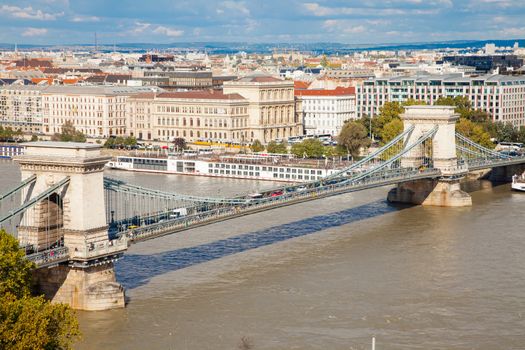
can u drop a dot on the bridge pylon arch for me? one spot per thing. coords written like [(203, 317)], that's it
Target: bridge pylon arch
[(70, 212), (445, 190)]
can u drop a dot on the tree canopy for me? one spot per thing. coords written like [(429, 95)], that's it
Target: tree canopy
[(28, 322), (257, 146), (15, 270), (309, 148), (391, 130), (474, 131), (8, 133), (275, 147), (180, 143), (353, 137), (119, 142), (69, 134)]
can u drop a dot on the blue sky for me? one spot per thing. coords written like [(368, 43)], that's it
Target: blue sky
[(166, 21)]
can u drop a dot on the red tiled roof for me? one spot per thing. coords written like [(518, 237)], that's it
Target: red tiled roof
[(39, 80), (301, 85), (339, 91), (34, 62), (201, 95), (70, 81)]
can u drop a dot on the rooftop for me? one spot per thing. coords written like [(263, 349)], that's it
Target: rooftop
[(201, 95), (59, 144), (96, 90), (338, 91)]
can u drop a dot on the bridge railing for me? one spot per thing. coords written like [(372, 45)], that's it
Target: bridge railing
[(459, 170), (386, 177), (102, 248), (494, 162), (48, 257)]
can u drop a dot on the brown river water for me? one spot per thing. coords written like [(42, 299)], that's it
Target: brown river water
[(327, 274)]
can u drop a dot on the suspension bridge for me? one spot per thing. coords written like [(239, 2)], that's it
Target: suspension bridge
[(74, 221)]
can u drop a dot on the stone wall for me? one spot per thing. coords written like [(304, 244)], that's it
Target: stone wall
[(92, 288)]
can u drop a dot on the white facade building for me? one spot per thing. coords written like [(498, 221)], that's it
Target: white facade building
[(95, 111), (21, 107), (501, 96), (325, 111)]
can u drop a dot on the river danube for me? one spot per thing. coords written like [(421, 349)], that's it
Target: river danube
[(328, 274)]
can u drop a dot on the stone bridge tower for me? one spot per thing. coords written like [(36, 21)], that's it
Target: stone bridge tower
[(442, 191), (75, 215)]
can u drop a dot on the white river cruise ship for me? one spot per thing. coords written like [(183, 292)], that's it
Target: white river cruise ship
[(255, 167)]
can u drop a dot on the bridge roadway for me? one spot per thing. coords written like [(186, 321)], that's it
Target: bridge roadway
[(268, 203), (58, 255)]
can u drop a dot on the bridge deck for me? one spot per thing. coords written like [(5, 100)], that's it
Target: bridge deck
[(226, 213)]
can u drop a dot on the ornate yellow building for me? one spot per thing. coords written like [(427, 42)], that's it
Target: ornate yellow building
[(271, 106), (192, 115)]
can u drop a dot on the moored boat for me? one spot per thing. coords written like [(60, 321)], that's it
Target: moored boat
[(518, 182), (256, 167)]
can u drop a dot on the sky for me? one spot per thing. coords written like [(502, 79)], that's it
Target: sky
[(348, 21)]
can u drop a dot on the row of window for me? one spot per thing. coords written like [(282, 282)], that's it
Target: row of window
[(258, 174), (265, 168), (198, 110)]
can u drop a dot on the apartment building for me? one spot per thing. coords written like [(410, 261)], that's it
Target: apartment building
[(183, 79), (325, 111), (192, 115), (501, 96), (96, 111), (21, 107), (271, 106)]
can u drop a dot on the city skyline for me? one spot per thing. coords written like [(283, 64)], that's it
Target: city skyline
[(349, 22)]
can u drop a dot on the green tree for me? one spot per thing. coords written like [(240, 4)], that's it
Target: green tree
[(478, 116), (521, 134), (324, 62), (69, 134), (388, 112), (462, 104), (257, 146), (502, 131), (353, 137), (15, 270), (8, 133), (32, 323), (474, 131), (274, 147), (412, 102), (34, 138), (364, 121), (309, 148), (130, 141), (180, 144), (27, 322), (391, 130)]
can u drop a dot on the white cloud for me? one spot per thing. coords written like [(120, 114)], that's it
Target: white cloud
[(34, 32), (323, 11), (80, 18), (168, 31), (29, 13), (140, 27), (355, 30), (236, 6), (343, 26), (513, 32)]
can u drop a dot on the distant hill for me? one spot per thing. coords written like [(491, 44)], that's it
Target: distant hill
[(233, 47)]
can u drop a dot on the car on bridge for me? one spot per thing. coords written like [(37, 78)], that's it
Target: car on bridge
[(277, 193)]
